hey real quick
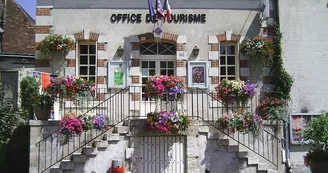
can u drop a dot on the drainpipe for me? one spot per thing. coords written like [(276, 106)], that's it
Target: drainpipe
[(3, 22)]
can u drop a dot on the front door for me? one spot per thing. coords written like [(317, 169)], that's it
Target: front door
[(161, 154), (151, 68)]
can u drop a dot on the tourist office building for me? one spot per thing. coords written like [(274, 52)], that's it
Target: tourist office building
[(120, 44)]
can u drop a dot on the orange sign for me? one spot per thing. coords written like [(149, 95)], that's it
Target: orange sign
[(45, 80)]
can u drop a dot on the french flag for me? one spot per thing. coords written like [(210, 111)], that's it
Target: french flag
[(159, 9), (167, 7)]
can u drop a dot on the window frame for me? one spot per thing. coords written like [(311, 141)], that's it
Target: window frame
[(236, 65), (78, 60), (158, 52)]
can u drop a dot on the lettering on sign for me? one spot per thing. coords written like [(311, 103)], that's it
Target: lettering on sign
[(175, 18)]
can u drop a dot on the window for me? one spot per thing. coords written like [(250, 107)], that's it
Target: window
[(228, 62), (87, 61), (157, 48), (151, 68), (298, 122)]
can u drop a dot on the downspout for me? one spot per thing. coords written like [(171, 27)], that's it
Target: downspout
[(3, 22), (286, 124)]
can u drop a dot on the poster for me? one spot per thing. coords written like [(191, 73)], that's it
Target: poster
[(298, 122), (117, 74), (197, 74)]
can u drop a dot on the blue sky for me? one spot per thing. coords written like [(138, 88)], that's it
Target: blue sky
[(29, 6)]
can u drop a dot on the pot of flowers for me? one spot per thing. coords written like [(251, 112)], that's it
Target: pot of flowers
[(55, 44), (316, 135), (43, 106), (168, 122)]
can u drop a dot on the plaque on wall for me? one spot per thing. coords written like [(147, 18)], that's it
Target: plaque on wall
[(298, 122), (197, 74), (117, 74)]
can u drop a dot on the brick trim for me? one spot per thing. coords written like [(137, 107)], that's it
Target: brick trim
[(101, 46), (135, 96), (71, 63), (42, 63), (135, 46), (150, 37), (215, 63), (215, 80), (135, 79), (42, 29), (269, 79), (243, 63), (79, 36), (223, 38), (101, 79), (180, 47), (101, 62), (101, 96), (180, 63), (93, 36), (43, 12), (215, 47), (135, 63)]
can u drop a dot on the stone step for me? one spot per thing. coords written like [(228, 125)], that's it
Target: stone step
[(223, 142), (262, 167), (253, 161), (112, 137), (79, 158), (67, 165), (243, 154), (233, 148), (89, 150), (55, 170), (100, 144), (121, 129), (267, 171)]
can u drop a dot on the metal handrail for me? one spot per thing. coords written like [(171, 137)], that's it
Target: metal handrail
[(124, 105)]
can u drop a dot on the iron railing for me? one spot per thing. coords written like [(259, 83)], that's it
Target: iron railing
[(129, 103)]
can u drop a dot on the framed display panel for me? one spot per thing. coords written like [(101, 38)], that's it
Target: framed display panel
[(117, 74), (298, 122), (197, 74)]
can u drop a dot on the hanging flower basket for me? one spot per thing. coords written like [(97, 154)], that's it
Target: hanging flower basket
[(55, 43), (258, 47), (168, 122)]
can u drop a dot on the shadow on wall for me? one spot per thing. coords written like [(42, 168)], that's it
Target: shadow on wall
[(217, 158), (14, 157)]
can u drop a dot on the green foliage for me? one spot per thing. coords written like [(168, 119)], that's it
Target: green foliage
[(9, 119), (316, 134), (55, 43), (284, 80), (29, 90)]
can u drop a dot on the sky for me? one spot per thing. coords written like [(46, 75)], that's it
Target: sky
[(29, 6)]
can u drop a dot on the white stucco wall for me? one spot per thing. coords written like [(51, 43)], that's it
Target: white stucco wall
[(117, 34), (304, 24)]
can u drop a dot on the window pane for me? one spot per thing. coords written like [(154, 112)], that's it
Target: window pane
[(144, 79), (83, 70), (221, 78), (231, 50), (152, 64), (222, 50), (231, 60), (83, 59), (231, 71), (92, 49), (144, 64), (152, 72), (231, 78), (163, 72), (93, 79), (223, 60), (170, 72), (92, 70), (170, 64), (92, 60), (223, 71), (163, 64), (83, 49)]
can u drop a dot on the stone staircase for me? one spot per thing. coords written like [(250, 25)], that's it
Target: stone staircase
[(76, 161), (242, 152)]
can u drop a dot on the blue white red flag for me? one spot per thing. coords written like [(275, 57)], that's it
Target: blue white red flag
[(167, 7), (151, 11), (159, 10)]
